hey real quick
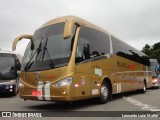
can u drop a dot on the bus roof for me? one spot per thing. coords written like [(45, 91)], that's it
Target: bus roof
[(79, 21)]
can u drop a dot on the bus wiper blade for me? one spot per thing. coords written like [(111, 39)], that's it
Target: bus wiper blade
[(38, 50), (28, 65), (45, 49)]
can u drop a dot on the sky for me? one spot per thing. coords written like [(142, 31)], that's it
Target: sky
[(137, 22)]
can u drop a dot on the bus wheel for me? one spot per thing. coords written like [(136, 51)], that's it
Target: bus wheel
[(104, 93), (144, 87)]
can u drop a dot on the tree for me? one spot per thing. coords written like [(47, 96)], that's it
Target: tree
[(156, 46), (147, 50), (152, 51)]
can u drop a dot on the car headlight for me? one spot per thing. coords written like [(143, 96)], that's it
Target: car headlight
[(155, 80), (64, 82), (9, 86)]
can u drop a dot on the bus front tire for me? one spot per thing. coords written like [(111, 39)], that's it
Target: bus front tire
[(104, 93)]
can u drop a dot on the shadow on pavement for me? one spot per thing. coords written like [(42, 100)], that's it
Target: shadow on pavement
[(64, 106), (7, 96)]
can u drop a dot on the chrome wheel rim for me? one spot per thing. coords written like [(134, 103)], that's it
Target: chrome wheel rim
[(104, 91)]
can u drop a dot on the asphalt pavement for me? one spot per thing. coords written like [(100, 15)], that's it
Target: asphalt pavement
[(132, 101)]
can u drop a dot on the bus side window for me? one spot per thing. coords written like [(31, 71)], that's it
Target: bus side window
[(98, 42), (86, 51), (82, 52)]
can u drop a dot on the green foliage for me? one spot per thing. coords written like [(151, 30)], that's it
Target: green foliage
[(152, 51)]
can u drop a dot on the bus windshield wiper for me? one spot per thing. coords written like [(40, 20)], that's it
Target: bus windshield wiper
[(37, 52), (45, 49)]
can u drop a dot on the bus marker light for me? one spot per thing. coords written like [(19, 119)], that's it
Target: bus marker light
[(36, 93), (77, 85), (98, 85), (63, 92)]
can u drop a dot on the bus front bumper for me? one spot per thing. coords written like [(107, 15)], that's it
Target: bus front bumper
[(7, 88), (54, 95)]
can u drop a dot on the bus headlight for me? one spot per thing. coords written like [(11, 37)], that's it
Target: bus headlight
[(64, 82)]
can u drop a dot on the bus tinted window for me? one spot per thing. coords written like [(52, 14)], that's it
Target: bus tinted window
[(96, 42), (51, 50), (126, 51)]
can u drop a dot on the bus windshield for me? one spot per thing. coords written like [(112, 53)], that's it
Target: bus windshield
[(7, 66), (51, 50)]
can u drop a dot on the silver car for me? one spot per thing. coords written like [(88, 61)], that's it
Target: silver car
[(156, 82)]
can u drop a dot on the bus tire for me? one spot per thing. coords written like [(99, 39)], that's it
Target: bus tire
[(144, 87), (104, 93)]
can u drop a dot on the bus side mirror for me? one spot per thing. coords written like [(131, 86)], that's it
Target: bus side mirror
[(68, 28), (17, 39)]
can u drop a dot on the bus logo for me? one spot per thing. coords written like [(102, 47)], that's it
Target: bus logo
[(37, 75), (126, 65)]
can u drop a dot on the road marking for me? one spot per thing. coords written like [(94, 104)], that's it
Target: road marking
[(141, 105)]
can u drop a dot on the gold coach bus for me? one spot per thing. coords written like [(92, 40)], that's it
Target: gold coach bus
[(70, 59)]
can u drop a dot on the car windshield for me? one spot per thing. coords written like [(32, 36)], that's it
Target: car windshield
[(7, 66), (51, 50)]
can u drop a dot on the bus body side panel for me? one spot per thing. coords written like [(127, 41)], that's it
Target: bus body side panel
[(101, 69), (82, 80), (127, 75)]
